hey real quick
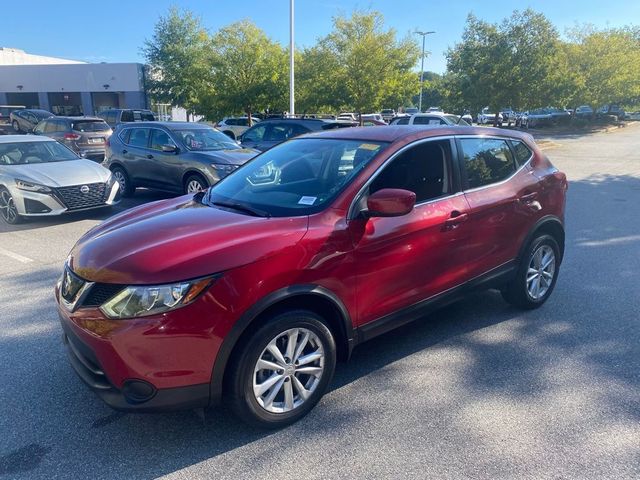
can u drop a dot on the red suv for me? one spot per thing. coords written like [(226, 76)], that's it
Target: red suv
[(249, 292)]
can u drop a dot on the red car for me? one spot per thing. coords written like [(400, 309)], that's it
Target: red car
[(249, 292)]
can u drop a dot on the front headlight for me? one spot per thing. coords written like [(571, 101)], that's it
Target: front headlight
[(32, 187), (223, 169), (139, 301)]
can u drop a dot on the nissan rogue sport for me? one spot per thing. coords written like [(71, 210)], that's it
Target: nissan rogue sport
[(249, 292)]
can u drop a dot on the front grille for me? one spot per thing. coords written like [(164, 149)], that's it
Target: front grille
[(100, 293), (82, 196)]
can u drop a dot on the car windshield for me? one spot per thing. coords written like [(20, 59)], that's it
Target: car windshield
[(205, 139), (298, 177), (23, 153), (90, 126)]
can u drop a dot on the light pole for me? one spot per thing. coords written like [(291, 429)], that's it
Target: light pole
[(423, 34), (292, 107)]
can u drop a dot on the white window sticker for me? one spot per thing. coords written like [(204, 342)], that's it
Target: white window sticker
[(307, 200)]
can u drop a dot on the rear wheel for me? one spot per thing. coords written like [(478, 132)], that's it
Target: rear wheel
[(126, 188), (8, 209), (229, 134), (15, 126), (195, 183), (537, 274), (283, 370)]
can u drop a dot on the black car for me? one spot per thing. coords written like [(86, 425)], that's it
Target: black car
[(179, 157), (116, 116), (272, 131), (26, 119)]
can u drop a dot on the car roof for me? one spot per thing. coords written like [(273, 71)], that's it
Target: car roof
[(24, 138), (394, 133), (168, 125), (75, 118)]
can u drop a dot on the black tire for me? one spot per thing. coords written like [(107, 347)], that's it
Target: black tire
[(517, 292), (191, 180), (241, 375), (230, 134), (126, 188), (16, 126), (8, 210)]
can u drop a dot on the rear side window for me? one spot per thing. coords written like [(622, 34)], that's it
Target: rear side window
[(427, 121), (402, 121), (90, 126), (522, 152), (255, 134), (139, 137), (50, 126), (486, 161), (142, 116), (126, 116)]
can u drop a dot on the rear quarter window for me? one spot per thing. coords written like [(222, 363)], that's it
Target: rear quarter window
[(522, 152)]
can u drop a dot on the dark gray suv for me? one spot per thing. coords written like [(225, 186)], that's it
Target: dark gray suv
[(178, 157), (87, 136)]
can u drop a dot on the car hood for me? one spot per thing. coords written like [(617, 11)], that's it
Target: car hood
[(179, 239), (60, 174), (238, 156)]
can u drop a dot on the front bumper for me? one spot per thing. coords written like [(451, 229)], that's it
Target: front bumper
[(136, 395), (35, 204)]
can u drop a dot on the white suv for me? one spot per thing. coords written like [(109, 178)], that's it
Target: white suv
[(431, 118), (234, 126)]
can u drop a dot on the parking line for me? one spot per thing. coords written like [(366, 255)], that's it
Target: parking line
[(15, 256)]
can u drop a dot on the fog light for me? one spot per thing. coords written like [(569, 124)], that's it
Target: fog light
[(138, 391)]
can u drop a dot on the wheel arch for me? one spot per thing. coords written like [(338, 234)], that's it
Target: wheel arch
[(551, 225), (194, 171), (314, 298)]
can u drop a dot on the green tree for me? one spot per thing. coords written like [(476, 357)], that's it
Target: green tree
[(359, 66), (177, 56), (249, 71)]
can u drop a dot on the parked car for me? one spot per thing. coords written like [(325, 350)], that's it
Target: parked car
[(87, 136), (434, 109), (5, 114), (411, 111), (433, 118), (584, 111), (632, 116), (614, 110), (387, 114), (250, 292), (559, 116), (26, 119), (540, 117), (487, 117), (179, 157), (40, 178), (373, 116), (233, 127), (271, 132), (508, 116), (116, 116), (348, 116)]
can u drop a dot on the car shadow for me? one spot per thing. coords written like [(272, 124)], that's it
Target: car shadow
[(479, 348)]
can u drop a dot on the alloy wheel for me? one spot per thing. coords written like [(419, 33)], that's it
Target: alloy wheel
[(194, 186), (288, 370), (121, 179), (8, 207), (541, 271)]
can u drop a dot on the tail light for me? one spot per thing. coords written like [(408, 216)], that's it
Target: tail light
[(71, 136)]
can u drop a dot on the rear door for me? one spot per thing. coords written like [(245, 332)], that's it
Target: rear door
[(501, 194), (163, 169)]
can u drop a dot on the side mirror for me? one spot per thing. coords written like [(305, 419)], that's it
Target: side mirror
[(169, 149), (390, 202)]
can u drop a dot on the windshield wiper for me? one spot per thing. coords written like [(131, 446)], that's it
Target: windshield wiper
[(243, 208)]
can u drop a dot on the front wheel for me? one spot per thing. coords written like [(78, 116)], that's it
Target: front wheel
[(16, 126), (537, 274), (126, 188), (194, 184), (283, 370), (8, 209)]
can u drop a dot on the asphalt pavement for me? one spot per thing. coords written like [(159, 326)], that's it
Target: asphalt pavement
[(476, 390)]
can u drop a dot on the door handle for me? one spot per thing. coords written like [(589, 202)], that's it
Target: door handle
[(124, 151), (529, 197), (149, 156), (455, 220)]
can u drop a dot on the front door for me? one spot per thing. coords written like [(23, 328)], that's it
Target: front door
[(401, 261)]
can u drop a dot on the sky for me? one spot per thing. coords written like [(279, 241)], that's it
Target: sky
[(115, 31)]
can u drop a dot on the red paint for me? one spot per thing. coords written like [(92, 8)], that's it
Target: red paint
[(375, 266)]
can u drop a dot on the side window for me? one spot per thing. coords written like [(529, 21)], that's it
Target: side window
[(403, 121), (522, 152), (40, 128), (126, 116), (297, 130), (486, 161), (427, 121), (124, 135), (424, 169), (232, 122), (139, 137), (278, 132), (160, 138), (50, 126), (255, 134), (243, 122)]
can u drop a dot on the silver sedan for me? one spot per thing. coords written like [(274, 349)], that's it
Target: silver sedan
[(40, 177)]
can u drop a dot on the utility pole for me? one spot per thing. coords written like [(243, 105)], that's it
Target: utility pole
[(292, 106), (423, 34)]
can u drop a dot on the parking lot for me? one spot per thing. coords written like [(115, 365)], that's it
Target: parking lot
[(477, 390)]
